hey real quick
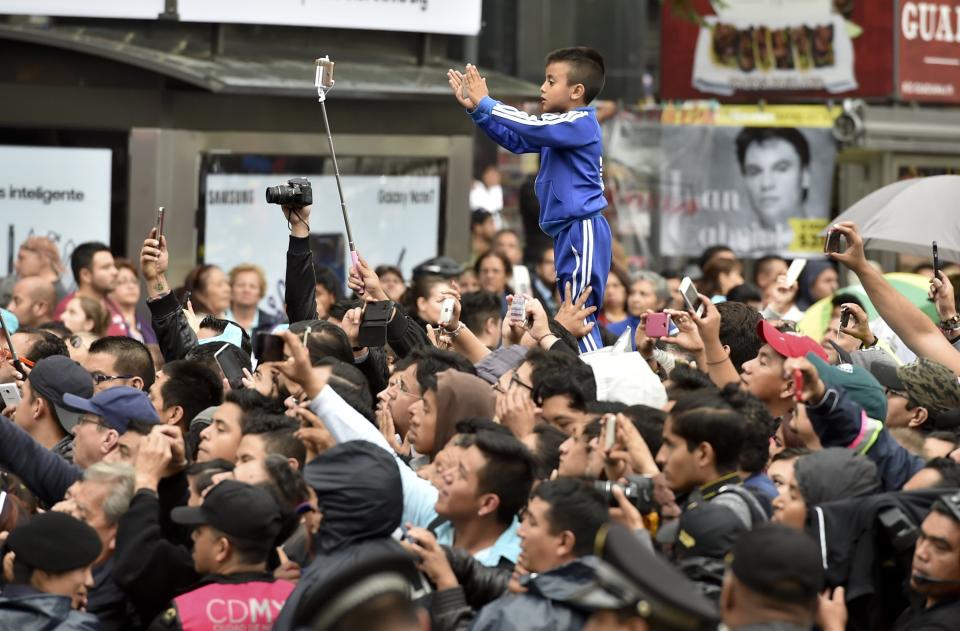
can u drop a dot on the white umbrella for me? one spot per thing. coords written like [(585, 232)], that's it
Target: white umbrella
[(907, 216)]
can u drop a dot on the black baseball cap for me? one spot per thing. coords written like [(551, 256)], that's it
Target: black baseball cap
[(438, 266), (55, 542), (56, 376), (779, 562), (236, 509)]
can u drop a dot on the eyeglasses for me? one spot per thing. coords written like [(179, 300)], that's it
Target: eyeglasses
[(398, 384), (99, 377), (513, 380), (91, 420)]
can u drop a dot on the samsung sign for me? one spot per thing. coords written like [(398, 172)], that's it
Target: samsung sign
[(454, 17)]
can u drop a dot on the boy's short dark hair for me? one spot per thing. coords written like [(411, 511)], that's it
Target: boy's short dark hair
[(576, 507), (704, 417), (559, 373), (508, 473), (586, 67), (192, 386), (431, 361), (738, 330), (547, 455), (478, 307)]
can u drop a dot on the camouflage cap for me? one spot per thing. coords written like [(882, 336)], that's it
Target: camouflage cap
[(931, 384)]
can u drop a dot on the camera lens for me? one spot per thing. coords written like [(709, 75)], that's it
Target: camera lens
[(273, 194)]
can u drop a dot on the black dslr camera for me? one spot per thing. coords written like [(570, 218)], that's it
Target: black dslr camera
[(639, 491), (297, 193)]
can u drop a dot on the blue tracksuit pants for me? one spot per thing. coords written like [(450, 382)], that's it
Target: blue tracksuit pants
[(582, 254)]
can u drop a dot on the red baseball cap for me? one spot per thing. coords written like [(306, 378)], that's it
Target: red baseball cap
[(789, 344)]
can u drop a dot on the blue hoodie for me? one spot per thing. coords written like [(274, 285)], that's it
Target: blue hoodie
[(570, 183)]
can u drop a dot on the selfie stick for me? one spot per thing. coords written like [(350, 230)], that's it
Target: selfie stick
[(324, 83)]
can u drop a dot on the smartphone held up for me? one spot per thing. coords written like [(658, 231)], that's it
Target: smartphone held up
[(834, 242)]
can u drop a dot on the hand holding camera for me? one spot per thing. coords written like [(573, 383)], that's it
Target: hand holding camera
[(941, 292), (295, 198), (154, 260), (853, 256), (853, 322)]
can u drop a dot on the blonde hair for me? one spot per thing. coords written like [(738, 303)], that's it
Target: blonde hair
[(47, 249), (250, 267)]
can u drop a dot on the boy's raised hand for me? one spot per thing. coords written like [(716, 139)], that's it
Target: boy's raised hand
[(476, 85), (456, 80)]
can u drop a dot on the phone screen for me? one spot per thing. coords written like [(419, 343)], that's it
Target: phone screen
[(268, 347), (230, 366), (610, 432), (833, 242), (160, 215)]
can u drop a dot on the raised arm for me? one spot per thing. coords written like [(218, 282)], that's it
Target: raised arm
[(300, 292), (916, 330)]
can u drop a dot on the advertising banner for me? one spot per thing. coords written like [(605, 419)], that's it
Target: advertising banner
[(54, 192), (758, 180), (752, 48), (395, 218), (929, 51), (454, 17)]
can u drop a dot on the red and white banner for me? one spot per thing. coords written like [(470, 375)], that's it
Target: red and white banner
[(929, 51)]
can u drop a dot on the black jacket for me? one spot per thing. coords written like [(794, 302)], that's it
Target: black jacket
[(861, 554), (300, 294), (559, 600), (23, 608), (150, 568), (360, 512), (174, 335), (300, 290)]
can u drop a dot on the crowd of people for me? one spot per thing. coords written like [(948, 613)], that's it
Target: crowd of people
[(513, 445), (478, 472)]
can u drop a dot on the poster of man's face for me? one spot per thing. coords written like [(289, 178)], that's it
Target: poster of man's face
[(759, 190), (776, 170)]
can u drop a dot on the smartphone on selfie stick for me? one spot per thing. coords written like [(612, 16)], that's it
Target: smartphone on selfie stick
[(324, 82)]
